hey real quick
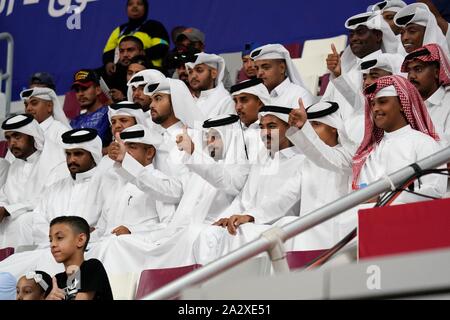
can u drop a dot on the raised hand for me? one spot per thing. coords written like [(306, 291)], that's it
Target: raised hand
[(334, 62), (298, 116), (184, 142), (56, 293), (117, 149)]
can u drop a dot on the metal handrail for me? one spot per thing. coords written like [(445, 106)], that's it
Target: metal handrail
[(9, 70), (296, 227)]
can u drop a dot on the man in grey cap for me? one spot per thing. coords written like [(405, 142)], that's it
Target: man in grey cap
[(192, 37), (42, 80)]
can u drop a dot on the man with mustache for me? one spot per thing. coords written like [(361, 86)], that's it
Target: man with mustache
[(206, 76), (33, 169), (74, 195), (428, 70), (87, 88)]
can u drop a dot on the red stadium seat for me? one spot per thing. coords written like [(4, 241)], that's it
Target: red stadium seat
[(5, 253), (153, 279), (3, 148), (298, 259)]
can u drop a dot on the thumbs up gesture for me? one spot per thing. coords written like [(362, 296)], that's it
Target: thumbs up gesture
[(184, 142), (298, 116), (117, 150), (56, 293), (334, 62)]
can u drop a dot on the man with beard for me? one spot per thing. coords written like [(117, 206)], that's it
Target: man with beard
[(87, 88), (429, 71), (205, 79), (32, 170)]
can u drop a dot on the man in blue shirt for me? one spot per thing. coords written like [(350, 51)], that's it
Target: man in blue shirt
[(93, 113)]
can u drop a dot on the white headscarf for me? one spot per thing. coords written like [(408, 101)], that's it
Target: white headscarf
[(389, 5), (281, 113), (232, 137), (144, 77), (127, 109), (47, 94), (29, 127), (254, 87), (140, 134), (183, 104), (277, 51), (386, 61), (422, 15), (325, 112), (86, 139), (211, 60), (374, 21)]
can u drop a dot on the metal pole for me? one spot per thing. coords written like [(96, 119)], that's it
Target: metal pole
[(9, 69), (292, 229)]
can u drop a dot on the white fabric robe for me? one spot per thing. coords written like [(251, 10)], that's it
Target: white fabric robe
[(287, 93), (127, 205), (395, 151), (21, 193), (215, 102), (438, 106), (272, 191), (4, 167), (77, 197)]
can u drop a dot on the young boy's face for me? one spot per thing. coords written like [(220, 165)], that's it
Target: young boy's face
[(64, 242), (28, 290)]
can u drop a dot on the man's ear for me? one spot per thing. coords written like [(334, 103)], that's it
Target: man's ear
[(150, 154), (214, 73), (283, 67), (50, 107)]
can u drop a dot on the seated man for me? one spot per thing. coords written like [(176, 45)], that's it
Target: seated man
[(419, 28), (32, 169), (429, 71), (76, 195), (130, 218), (87, 88), (398, 132), (271, 191), (205, 79), (44, 106), (274, 66)]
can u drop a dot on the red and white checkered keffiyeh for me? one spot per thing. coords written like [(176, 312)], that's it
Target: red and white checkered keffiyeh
[(415, 112), (436, 54)]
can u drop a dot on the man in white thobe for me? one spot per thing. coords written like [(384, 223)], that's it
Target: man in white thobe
[(272, 191), (31, 171), (205, 79), (285, 85), (76, 195)]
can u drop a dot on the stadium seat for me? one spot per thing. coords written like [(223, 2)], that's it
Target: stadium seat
[(123, 286), (294, 49), (310, 69), (312, 48), (3, 148), (5, 253), (298, 259), (153, 279)]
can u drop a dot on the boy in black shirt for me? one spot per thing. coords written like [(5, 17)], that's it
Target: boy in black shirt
[(82, 280)]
